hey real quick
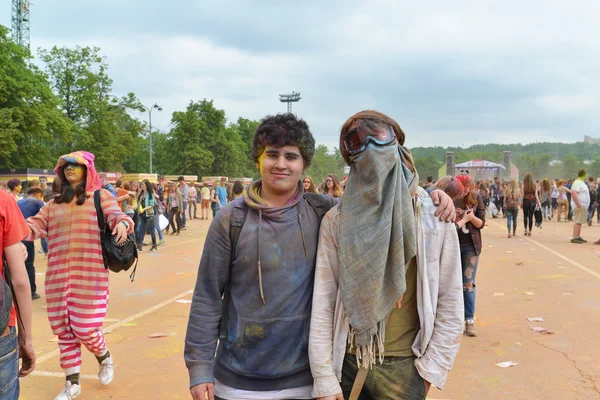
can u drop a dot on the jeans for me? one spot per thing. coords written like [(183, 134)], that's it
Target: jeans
[(469, 260), (29, 264), (174, 215), (528, 211), (511, 217), (546, 209), (44, 243), (396, 378), (144, 222), (9, 366), (192, 204), (157, 227), (185, 204)]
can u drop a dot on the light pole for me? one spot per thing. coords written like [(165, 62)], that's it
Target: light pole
[(149, 109)]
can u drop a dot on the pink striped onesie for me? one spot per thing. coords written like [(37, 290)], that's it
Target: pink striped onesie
[(76, 280)]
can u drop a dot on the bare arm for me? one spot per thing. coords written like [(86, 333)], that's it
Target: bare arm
[(20, 282)]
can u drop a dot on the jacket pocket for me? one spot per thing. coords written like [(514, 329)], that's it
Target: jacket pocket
[(270, 348)]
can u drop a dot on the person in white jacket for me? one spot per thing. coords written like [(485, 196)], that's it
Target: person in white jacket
[(387, 314)]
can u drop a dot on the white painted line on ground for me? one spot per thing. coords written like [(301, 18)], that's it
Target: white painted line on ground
[(59, 375), (124, 321), (567, 259)]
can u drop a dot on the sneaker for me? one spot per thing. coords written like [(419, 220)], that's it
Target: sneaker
[(69, 392), (577, 240), (582, 239), (35, 296), (177, 234), (40, 251), (161, 242), (107, 371), (470, 329), (153, 249), (509, 235)]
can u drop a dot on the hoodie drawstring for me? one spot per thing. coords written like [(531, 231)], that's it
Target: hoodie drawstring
[(302, 230), (260, 281), (260, 284)]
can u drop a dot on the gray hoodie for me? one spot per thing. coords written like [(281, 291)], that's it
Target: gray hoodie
[(267, 343)]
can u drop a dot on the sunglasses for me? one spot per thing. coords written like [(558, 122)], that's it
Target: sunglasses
[(356, 141), (73, 166)]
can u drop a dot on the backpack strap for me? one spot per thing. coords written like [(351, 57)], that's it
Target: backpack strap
[(320, 203), (236, 222), (99, 212)]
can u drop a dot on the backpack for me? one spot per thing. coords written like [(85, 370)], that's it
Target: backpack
[(319, 203), (593, 194), (6, 297), (116, 257), (511, 202)]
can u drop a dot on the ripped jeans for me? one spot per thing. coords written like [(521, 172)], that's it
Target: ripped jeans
[(469, 260)]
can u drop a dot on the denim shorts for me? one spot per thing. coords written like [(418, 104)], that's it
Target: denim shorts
[(9, 366)]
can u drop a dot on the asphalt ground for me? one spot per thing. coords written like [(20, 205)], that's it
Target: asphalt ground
[(539, 276)]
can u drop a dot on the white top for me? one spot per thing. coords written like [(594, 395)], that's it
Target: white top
[(583, 193), (205, 192), (228, 393), (439, 301)]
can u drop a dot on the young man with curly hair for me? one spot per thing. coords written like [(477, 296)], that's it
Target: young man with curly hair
[(266, 278)]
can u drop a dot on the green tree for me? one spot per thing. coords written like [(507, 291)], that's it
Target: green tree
[(30, 120), (101, 121), (323, 164)]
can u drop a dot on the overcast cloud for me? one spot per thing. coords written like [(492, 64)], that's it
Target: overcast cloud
[(451, 72)]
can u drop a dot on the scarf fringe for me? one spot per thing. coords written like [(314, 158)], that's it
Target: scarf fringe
[(367, 355)]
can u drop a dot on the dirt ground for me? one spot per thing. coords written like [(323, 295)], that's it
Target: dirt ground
[(538, 276)]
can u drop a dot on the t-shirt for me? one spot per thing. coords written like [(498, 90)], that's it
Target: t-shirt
[(403, 324), (30, 206), (583, 193), (13, 229), (184, 192), (222, 193), (121, 192), (192, 193), (205, 193), (228, 393)]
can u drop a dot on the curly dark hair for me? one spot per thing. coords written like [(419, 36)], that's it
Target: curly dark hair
[(284, 130)]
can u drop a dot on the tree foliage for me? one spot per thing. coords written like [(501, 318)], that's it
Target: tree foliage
[(101, 123), (30, 122)]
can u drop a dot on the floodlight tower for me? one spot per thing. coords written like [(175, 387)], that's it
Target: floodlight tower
[(289, 99), (20, 22)]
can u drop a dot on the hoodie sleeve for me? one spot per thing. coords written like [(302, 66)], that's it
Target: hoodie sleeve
[(205, 314)]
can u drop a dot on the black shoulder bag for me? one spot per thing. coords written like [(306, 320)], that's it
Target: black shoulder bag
[(117, 257)]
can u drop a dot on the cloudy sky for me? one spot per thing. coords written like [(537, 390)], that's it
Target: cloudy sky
[(451, 72)]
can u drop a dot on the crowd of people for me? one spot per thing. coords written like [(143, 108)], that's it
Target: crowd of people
[(575, 200)]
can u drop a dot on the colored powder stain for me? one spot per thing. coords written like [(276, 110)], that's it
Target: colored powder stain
[(254, 332), (493, 381), (498, 351)]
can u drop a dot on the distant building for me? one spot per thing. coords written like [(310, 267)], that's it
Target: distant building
[(591, 140)]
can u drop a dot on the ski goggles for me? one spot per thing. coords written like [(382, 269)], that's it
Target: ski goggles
[(356, 141)]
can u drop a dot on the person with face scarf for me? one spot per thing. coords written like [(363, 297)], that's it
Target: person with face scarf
[(76, 279), (387, 304)]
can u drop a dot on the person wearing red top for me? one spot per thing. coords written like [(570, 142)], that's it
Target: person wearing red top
[(13, 229)]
